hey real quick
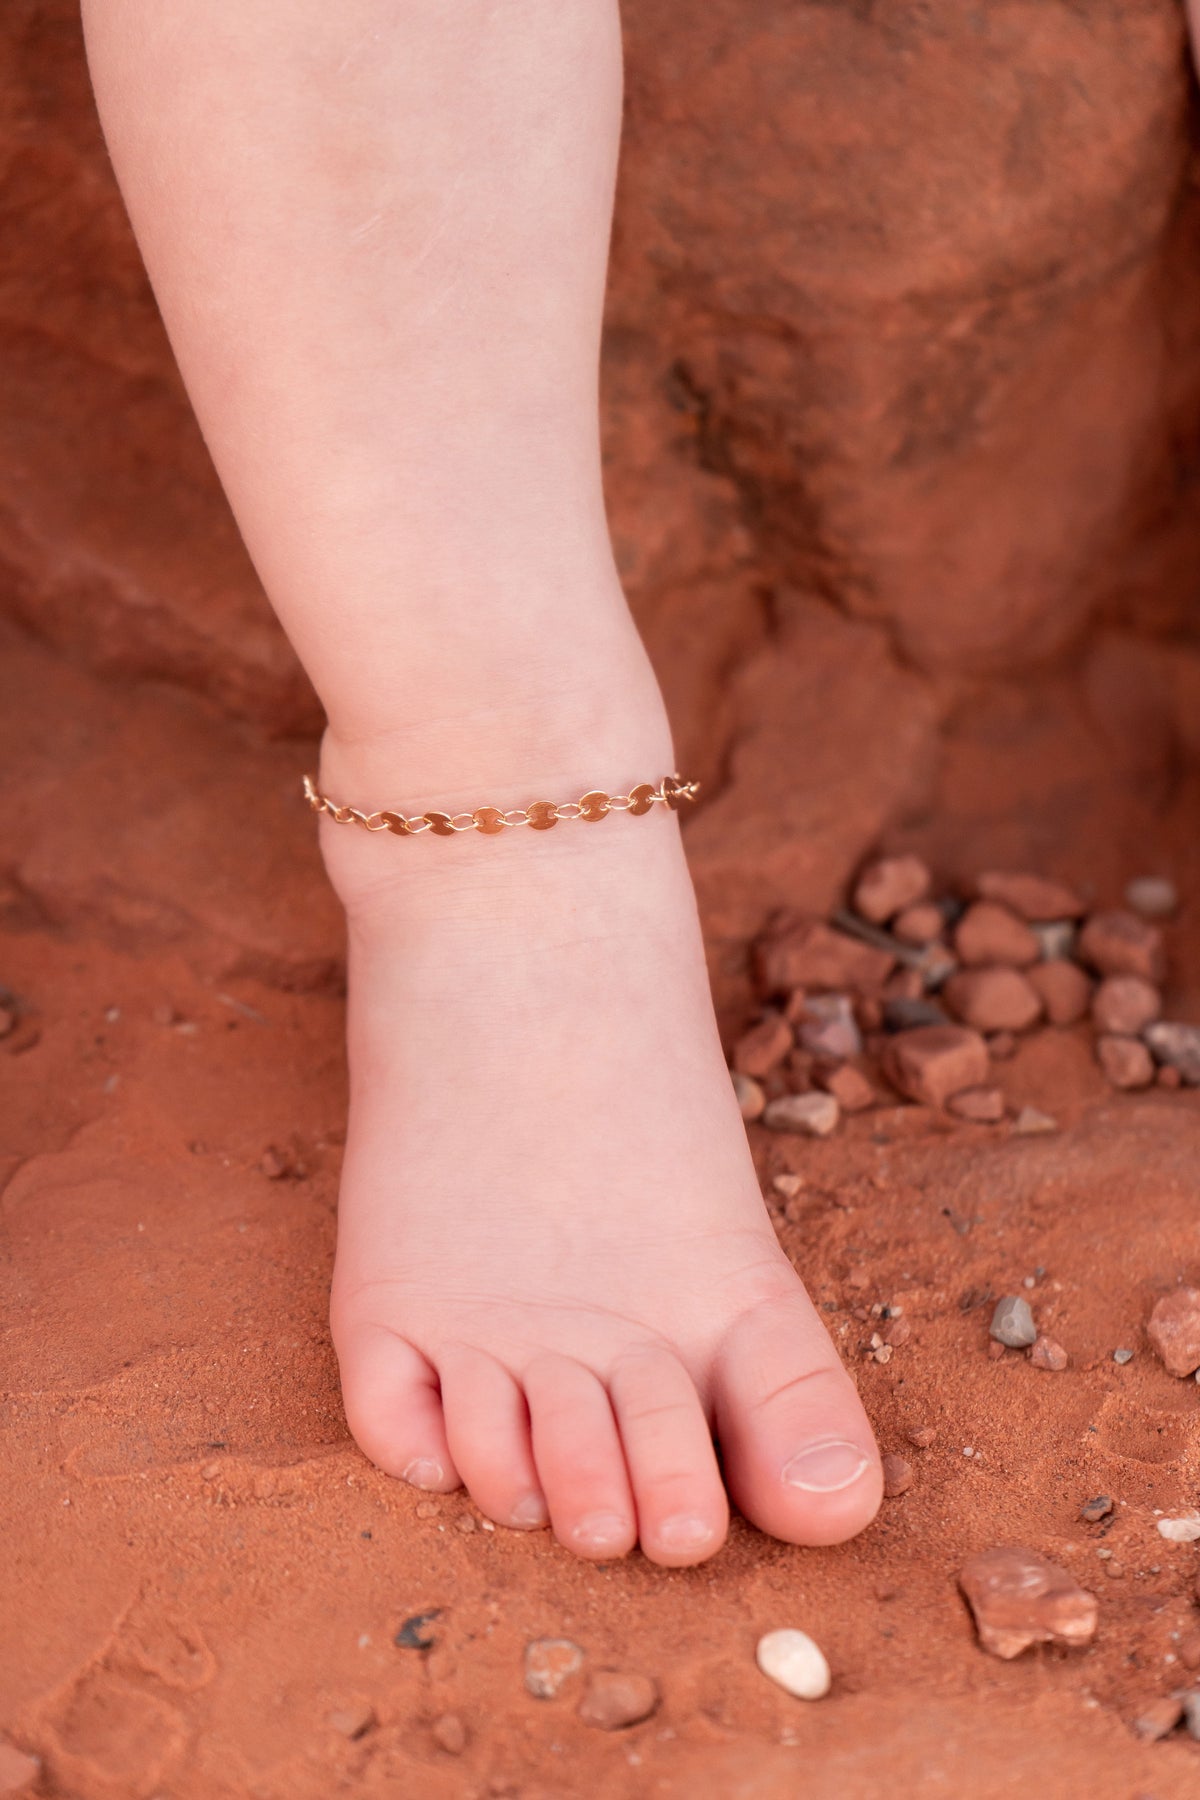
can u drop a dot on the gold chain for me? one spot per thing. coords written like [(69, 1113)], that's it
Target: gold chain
[(541, 814)]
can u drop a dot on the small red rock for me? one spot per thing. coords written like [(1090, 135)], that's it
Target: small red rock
[(1047, 1354), (1119, 943), (905, 984), (615, 1698), (1125, 1004), (981, 1105), (988, 933), (995, 1350), (18, 1772), (1189, 1650), (897, 1477), (935, 1061), (993, 999), (858, 1278), (1174, 1331), (896, 1333), (1002, 1046), (807, 953), (918, 925), (758, 1050), (1019, 1598), (885, 887), (849, 1087), (750, 1097), (1126, 1061), (450, 1733), (348, 1721), (1158, 1719), (1168, 1077), (1037, 898), (922, 1437), (1063, 989)]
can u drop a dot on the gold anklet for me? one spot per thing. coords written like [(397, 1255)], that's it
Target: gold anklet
[(541, 814)]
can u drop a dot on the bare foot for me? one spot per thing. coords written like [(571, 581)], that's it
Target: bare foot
[(556, 1279)]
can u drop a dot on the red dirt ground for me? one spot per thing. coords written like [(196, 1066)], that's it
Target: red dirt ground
[(199, 1567)]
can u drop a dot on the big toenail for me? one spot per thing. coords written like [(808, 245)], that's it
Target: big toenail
[(423, 1472), (529, 1511), (683, 1533), (825, 1467), (600, 1530)]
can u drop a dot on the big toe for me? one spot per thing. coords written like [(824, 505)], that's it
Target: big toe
[(799, 1454)]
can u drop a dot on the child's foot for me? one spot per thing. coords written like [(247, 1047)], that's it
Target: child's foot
[(556, 1278)]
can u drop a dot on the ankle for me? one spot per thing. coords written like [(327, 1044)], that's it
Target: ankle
[(554, 745)]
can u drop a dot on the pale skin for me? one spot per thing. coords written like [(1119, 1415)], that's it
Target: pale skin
[(378, 232)]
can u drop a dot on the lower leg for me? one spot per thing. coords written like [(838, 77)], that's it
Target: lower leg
[(380, 251)]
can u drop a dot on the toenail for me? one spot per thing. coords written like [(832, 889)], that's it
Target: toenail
[(529, 1511), (601, 1529), (825, 1467), (423, 1472), (683, 1533)]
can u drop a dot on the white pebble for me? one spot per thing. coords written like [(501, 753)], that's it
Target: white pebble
[(1180, 1531), (794, 1662)]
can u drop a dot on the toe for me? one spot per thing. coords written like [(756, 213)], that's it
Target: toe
[(799, 1454), (487, 1426), (682, 1512), (578, 1456), (394, 1408)]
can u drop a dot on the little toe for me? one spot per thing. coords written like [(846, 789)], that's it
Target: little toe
[(682, 1511), (394, 1407), (578, 1456), (799, 1455), (487, 1426)]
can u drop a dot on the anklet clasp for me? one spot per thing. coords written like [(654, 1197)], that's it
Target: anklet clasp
[(671, 792)]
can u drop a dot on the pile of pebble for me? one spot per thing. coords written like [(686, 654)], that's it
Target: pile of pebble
[(929, 991)]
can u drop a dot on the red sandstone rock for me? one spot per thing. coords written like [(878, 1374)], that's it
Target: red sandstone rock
[(993, 999), (1002, 1046), (18, 1772), (450, 1734), (885, 887), (1019, 1598), (1037, 898), (1046, 1353), (849, 1087), (980, 1105), (810, 954), (1158, 1719), (1126, 1061), (918, 925), (922, 1437), (1119, 943), (897, 1332), (988, 933), (897, 1477), (1063, 989), (1169, 1078), (615, 1698), (935, 1062), (1125, 1004), (758, 1050), (1174, 1331)]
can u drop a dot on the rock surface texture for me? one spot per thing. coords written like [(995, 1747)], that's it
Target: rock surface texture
[(1019, 1598)]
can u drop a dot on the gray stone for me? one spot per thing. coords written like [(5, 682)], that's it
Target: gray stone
[(548, 1663), (1152, 896), (907, 1015), (1122, 1356), (1012, 1323), (1191, 1711), (1178, 1046), (1056, 940), (812, 1115), (1029, 1122), (827, 1026)]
